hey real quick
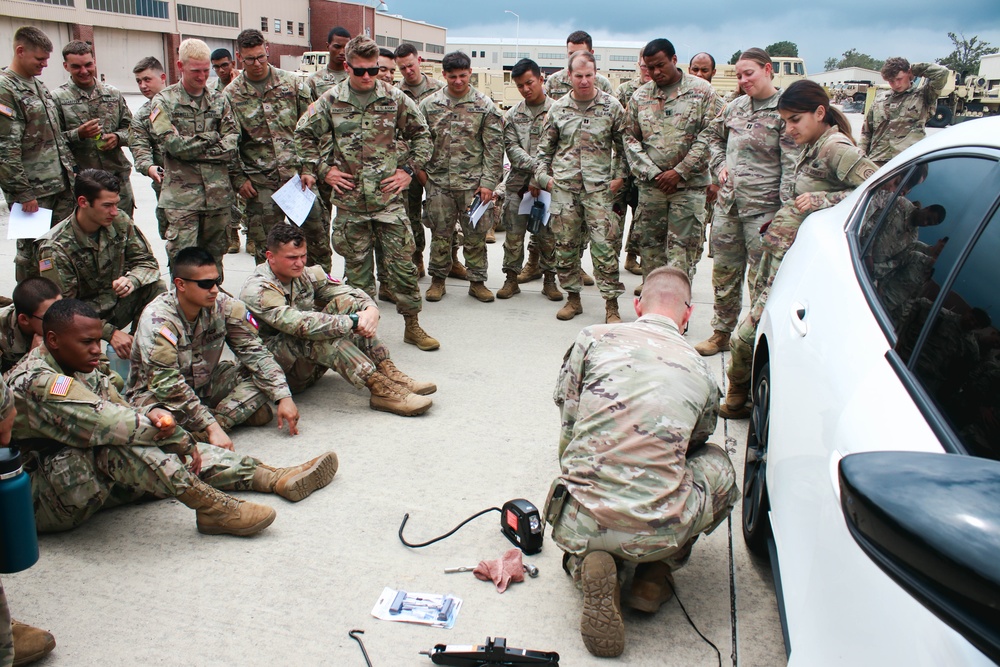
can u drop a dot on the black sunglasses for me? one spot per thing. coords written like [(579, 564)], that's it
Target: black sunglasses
[(205, 283), (360, 71)]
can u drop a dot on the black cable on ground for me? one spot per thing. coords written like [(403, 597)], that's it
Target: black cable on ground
[(448, 534), (718, 654)]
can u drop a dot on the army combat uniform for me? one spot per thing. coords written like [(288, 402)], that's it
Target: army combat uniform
[(663, 134), (106, 104), (557, 85), (360, 138), (579, 154), (895, 121), (35, 162), (266, 122), (83, 266), (14, 343), (637, 407), (199, 141), (629, 196), (323, 80), (176, 363), (147, 153), (468, 155)]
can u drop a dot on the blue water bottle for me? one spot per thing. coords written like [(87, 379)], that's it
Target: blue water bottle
[(118, 365), (18, 537)]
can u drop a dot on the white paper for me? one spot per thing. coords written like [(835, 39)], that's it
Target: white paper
[(294, 201), (478, 213), (28, 225), (528, 201)]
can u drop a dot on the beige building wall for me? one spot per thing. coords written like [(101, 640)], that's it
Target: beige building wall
[(390, 31)]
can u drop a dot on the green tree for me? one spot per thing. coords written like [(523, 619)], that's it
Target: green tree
[(736, 57), (967, 54), (852, 58), (785, 48)]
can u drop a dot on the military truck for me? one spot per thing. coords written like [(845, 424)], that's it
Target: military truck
[(977, 96)]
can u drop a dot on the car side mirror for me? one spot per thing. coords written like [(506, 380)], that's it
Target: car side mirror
[(932, 523)]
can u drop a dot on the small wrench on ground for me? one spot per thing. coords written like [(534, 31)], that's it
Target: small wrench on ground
[(532, 570)]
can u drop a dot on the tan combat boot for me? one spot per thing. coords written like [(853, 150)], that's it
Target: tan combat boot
[(457, 270), (389, 369), (601, 624), (385, 294), (510, 286), (549, 289), (652, 585), (491, 235), (414, 334), (572, 308), (479, 290), (436, 291), (221, 514), (611, 315), (388, 396), (297, 482), (586, 278), (251, 247), (632, 264), (531, 270), (716, 343), (262, 417), (30, 643), (234, 241), (735, 404)]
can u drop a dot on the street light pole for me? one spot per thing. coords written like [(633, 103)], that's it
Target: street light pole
[(517, 34)]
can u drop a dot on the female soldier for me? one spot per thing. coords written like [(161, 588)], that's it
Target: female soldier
[(754, 163), (828, 168)]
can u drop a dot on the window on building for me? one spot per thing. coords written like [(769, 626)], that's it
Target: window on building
[(435, 48), (551, 56), (63, 3), (482, 54), (207, 16), (516, 54), (156, 9), (277, 26), (302, 29), (419, 46), (290, 27), (264, 23), (623, 59)]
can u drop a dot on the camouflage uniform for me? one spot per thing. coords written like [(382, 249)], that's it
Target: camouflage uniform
[(663, 134), (84, 266), (268, 157), (147, 153), (895, 121), (87, 449), (199, 141), (364, 144), (305, 337), (176, 363), (557, 85), (749, 140), (415, 194), (323, 80), (467, 155), (579, 154), (829, 169), (14, 343), (629, 195), (105, 103), (35, 162), (522, 130), (643, 482)]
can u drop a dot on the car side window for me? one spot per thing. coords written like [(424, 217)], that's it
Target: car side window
[(916, 226), (958, 362)]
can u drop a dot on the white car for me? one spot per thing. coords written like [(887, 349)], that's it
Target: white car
[(880, 335)]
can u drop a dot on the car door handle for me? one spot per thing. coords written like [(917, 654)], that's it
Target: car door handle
[(798, 317)]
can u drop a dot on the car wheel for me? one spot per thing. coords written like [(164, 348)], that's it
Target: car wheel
[(756, 524)]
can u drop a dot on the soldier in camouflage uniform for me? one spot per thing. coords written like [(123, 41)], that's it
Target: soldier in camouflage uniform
[(307, 337), (558, 84), (522, 128), (99, 256), (36, 166), (148, 155), (416, 85), (630, 195), (896, 118), (659, 483), (336, 67), (267, 103), (225, 69), (754, 162), (95, 120), (829, 167), (669, 161), (21, 322), (352, 139), (195, 127), (580, 162), (467, 131), (87, 449), (703, 67), (176, 358)]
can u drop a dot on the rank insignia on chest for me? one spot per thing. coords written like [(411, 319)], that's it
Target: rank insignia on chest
[(252, 321), (61, 386), (586, 121), (668, 112), (45, 265), (169, 335), (749, 126), (6, 111)]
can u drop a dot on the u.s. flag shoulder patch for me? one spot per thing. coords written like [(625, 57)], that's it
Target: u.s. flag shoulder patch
[(252, 321), (154, 113), (169, 335), (61, 386), (45, 265), (6, 111)]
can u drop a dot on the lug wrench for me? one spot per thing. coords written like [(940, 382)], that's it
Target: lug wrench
[(353, 634)]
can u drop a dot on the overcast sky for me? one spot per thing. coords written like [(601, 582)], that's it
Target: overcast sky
[(915, 29)]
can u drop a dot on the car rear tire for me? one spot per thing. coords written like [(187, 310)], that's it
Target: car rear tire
[(756, 505)]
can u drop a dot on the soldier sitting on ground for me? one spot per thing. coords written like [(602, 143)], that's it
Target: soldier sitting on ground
[(21, 322), (312, 322), (177, 352), (99, 256), (87, 449)]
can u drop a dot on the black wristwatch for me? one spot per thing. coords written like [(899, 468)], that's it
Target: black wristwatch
[(408, 169), (354, 321)]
